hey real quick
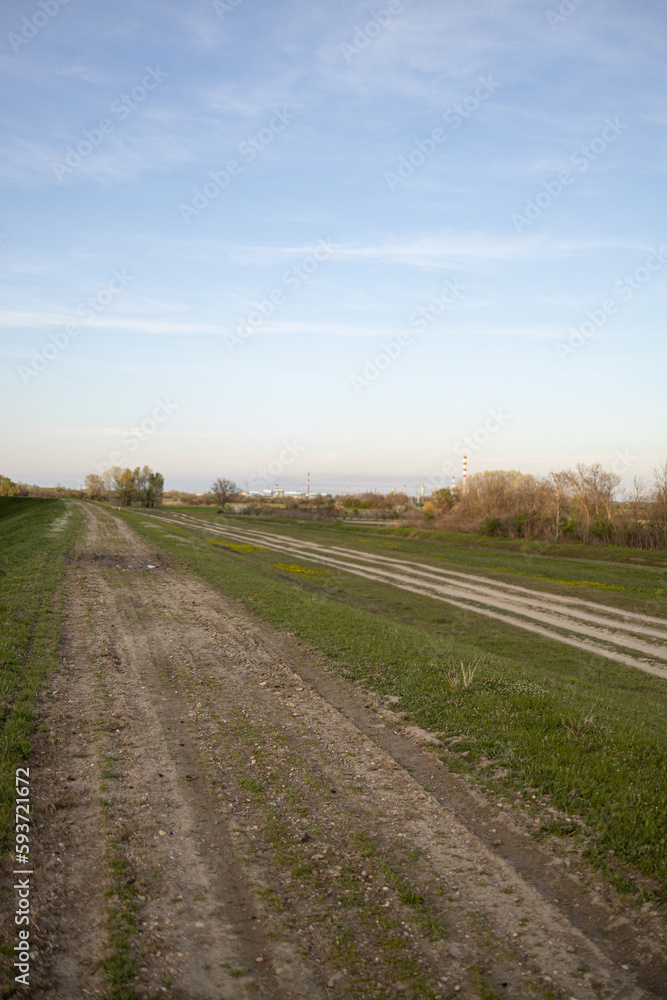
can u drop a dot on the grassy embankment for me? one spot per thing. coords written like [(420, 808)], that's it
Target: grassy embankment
[(35, 535), (570, 729)]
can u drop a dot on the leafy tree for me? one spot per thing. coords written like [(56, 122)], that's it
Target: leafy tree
[(128, 485), (122, 485), (94, 486), (8, 488), (149, 486), (443, 500)]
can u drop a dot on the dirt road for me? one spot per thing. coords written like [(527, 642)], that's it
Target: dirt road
[(610, 632), (217, 814)]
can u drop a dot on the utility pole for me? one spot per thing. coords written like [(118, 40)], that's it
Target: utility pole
[(465, 473), (308, 492)]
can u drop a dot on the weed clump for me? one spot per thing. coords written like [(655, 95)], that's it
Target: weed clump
[(463, 675)]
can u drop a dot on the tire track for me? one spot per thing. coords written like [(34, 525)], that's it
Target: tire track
[(610, 633)]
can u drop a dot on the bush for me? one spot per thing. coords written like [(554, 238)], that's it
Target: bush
[(490, 526), (601, 528)]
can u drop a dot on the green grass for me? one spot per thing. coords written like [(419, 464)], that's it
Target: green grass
[(461, 539), (560, 550), (626, 578), (579, 732), (35, 536), (119, 966)]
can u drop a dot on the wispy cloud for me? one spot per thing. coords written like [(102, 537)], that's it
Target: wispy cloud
[(446, 250), (324, 178)]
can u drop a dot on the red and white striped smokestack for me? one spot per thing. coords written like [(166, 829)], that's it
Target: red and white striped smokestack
[(465, 472)]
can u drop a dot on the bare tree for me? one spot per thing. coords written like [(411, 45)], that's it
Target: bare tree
[(224, 490), (606, 486), (659, 491), (659, 500), (558, 481), (594, 490), (638, 493), (582, 495), (499, 493)]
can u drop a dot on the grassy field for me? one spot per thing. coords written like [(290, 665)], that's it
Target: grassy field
[(618, 579), (553, 726), (560, 550), (35, 535)]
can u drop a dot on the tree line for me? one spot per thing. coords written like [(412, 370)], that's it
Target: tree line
[(126, 486), (581, 504), (576, 505), (9, 488)]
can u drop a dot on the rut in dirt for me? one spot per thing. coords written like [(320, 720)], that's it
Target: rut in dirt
[(249, 835)]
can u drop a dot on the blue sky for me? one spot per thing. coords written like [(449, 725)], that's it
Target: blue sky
[(218, 219)]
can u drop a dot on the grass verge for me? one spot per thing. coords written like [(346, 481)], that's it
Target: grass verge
[(35, 536)]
